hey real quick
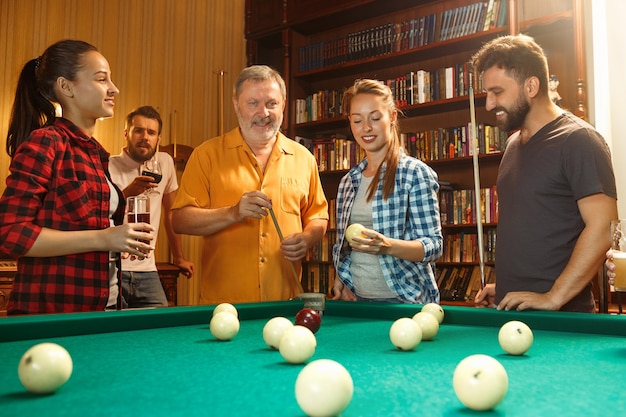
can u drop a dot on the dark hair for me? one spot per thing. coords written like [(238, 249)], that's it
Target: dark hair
[(259, 73), (148, 112), (32, 107), (392, 157), (519, 55)]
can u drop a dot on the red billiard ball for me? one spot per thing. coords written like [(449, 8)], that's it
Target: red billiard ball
[(309, 318)]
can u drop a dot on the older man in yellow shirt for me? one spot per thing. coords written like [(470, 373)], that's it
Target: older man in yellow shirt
[(229, 184)]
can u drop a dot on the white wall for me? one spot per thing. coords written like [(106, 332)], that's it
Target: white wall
[(607, 84)]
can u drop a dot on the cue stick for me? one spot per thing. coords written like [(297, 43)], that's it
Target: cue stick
[(280, 236), (220, 106), (173, 127), (479, 217)]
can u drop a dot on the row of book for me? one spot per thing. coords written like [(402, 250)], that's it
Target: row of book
[(462, 283), (422, 86), (404, 35), (337, 152), (463, 247), (323, 250), (321, 105), (459, 206), (452, 142), (367, 43), (318, 277), (469, 19), (414, 87), (334, 152)]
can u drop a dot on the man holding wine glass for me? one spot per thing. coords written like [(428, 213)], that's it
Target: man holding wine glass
[(140, 169)]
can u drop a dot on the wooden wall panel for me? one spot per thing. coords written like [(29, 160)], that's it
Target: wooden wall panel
[(166, 53)]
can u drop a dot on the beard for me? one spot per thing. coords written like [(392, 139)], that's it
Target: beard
[(257, 131), (137, 155), (515, 116)]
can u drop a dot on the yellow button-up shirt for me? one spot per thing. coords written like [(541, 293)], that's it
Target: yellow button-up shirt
[(243, 262)]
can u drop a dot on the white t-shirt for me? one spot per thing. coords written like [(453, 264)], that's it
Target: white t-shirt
[(113, 288), (123, 171)]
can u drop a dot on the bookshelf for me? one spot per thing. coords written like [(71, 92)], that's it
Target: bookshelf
[(420, 48)]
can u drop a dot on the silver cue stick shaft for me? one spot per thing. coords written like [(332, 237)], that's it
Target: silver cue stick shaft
[(479, 217)]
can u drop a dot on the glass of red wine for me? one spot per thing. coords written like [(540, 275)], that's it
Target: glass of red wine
[(152, 168)]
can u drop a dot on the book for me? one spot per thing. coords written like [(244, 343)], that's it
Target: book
[(421, 86), (488, 15)]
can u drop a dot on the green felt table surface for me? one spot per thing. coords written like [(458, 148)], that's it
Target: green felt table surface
[(165, 362)]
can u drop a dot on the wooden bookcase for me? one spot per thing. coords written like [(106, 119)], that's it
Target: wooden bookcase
[(322, 46)]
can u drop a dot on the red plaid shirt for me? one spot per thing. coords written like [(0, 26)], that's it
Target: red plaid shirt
[(57, 180)]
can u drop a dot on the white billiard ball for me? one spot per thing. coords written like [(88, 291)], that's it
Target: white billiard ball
[(428, 323), (44, 368), (274, 329), (324, 388), (405, 334), (224, 325), (297, 344), (434, 309), (354, 230), (515, 337), (226, 307), (480, 382)]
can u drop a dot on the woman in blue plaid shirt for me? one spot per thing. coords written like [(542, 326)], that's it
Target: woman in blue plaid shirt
[(394, 196)]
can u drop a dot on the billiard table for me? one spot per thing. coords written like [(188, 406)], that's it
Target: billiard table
[(165, 362)]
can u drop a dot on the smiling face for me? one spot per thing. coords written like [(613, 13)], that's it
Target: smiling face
[(259, 109), (90, 95), (92, 91), (371, 122), (506, 98), (142, 138)]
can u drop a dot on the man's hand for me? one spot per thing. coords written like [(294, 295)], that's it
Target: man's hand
[(526, 300), (140, 185), (253, 204), (186, 267), (486, 296), (294, 247)]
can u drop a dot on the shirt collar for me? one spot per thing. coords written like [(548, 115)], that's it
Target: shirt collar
[(233, 139), (79, 137), (127, 161)]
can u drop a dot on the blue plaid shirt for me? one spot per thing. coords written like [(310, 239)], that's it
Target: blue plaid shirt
[(410, 213)]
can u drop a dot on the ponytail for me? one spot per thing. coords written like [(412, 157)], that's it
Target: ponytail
[(35, 93), (31, 110)]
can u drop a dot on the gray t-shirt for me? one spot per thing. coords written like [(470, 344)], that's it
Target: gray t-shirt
[(367, 275), (539, 184)]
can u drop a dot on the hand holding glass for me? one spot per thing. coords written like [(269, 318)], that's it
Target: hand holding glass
[(152, 168), (618, 246)]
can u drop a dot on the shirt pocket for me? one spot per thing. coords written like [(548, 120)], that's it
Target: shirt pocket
[(291, 195), (72, 200)]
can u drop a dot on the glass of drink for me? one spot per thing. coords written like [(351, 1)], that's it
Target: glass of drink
[(152, 168), (618, 246), (138, 209)]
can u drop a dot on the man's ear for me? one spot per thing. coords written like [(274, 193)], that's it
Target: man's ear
[(531, 86)]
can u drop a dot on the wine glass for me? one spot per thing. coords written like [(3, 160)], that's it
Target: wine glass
[(152, 168)]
